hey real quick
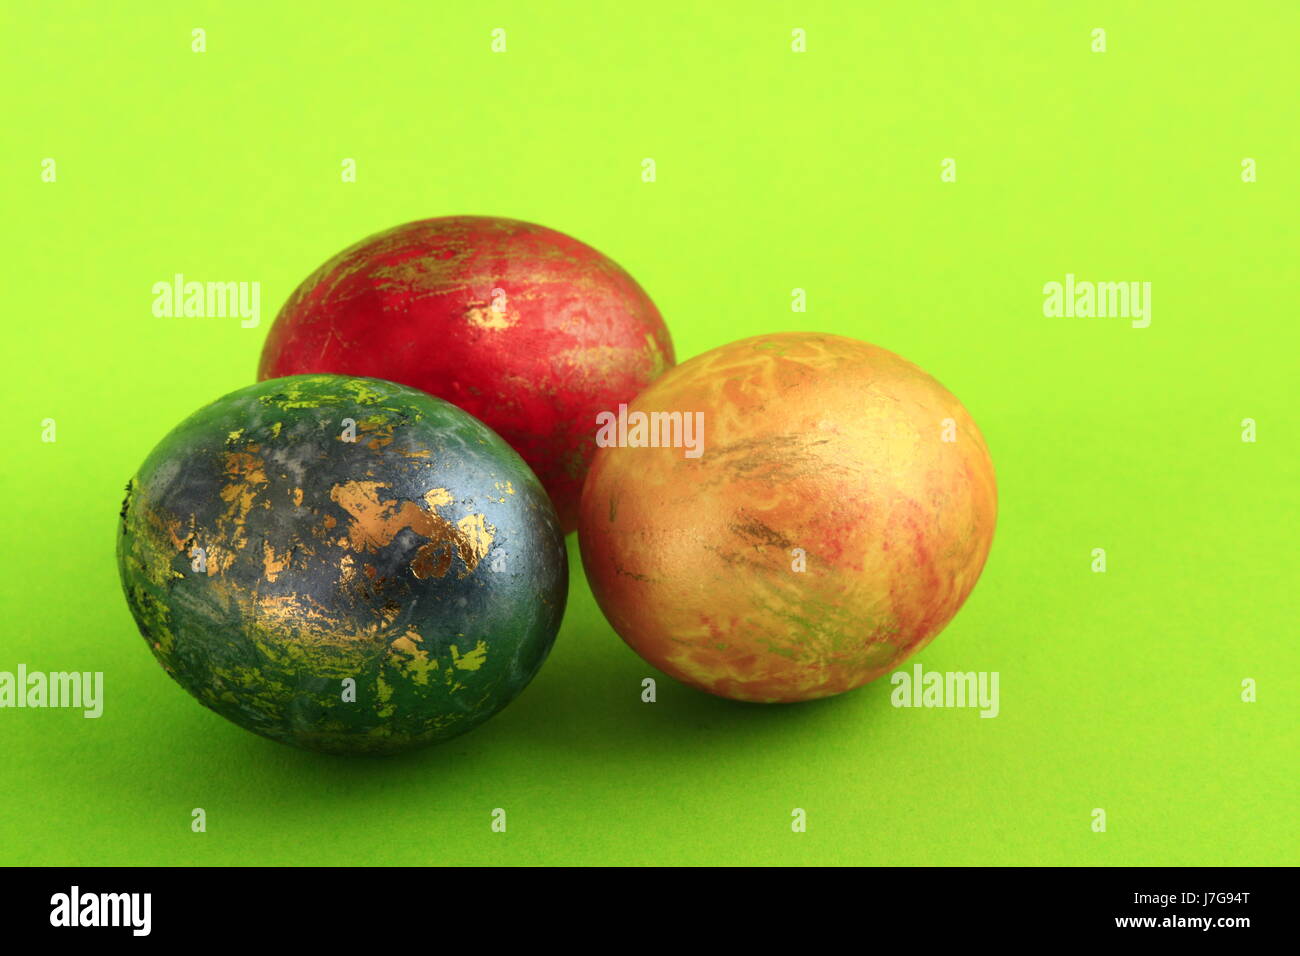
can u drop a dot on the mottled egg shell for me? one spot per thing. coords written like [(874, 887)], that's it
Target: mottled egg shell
[(344, 564), (833, 519), (525, 327)]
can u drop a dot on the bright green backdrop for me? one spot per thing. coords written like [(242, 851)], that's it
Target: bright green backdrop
[(775, 170)]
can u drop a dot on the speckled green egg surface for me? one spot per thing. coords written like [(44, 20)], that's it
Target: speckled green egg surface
[(344, 564)]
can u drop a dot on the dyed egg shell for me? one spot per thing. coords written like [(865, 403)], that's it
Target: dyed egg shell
[(269, 559), (526, 328), (837, 516)]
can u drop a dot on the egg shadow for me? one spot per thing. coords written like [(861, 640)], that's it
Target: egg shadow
[(588, 703)]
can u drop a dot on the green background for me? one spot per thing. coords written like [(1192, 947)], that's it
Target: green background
[(775, 170)]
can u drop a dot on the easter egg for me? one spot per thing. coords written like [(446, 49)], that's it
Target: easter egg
[(343, 564), (524, 327), (786, 517)]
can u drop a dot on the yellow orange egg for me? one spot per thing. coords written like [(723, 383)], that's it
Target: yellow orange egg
[(786, 517)]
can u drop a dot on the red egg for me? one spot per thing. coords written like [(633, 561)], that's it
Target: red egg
[(528, 329)]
